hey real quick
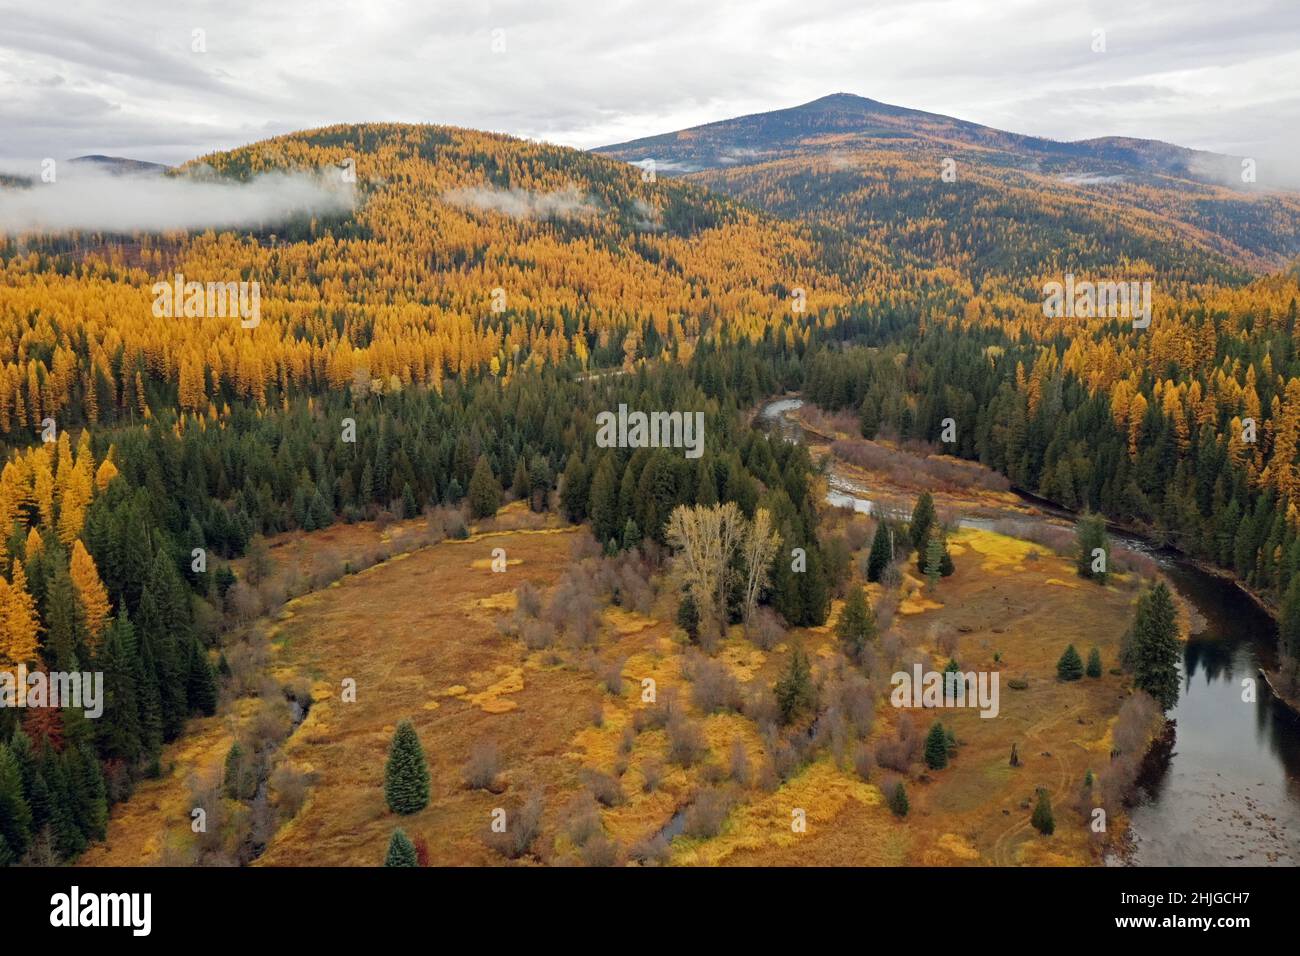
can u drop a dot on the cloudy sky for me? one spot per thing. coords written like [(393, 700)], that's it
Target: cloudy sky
[(166, 80)]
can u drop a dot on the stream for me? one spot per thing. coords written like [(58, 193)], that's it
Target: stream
[(1227, 791)]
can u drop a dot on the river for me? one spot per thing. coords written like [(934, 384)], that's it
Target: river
[(1226, 790)]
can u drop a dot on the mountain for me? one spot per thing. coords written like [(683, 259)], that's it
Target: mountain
[(120, 166), (957, 193), (844, 121)]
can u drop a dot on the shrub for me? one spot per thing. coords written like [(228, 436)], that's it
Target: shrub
[(483, 765), (712, 686), (705, 817), (603, 787), (686, 745), (523, 825)]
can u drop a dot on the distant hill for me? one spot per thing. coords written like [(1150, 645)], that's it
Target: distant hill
[(878, 170), (121, 166)]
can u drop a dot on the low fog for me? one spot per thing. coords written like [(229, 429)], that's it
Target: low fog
[(92, 199), (522, 203)]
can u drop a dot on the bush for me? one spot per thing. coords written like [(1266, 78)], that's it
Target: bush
[(484, 764), (705, 817), (652, 774), (686, 746), (611, 676), (712, 687), (603, 787), (740, 771), (523, 825), (764, 629)]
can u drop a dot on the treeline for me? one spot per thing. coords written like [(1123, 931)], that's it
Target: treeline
[(144, 594), (1179, 481)]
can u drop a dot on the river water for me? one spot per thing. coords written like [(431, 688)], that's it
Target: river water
[(1225, 791)]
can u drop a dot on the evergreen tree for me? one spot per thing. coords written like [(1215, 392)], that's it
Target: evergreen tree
[(936, 747), (1090, 533), (879, 558), (484, 492), (933, 561), (603, 502), (15, 813), (1042, 818), (794, 689), (406, 775), (1156, 650), (1070, 665), (1094, 663), (401, 851), (898, 800), (922, 521), (856, 627), (201, 686)]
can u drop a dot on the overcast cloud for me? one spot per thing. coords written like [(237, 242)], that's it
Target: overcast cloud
[(104, 76)]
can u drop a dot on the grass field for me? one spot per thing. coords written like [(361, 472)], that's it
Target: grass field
[(417, 633)]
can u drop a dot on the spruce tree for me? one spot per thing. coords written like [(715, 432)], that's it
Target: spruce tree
[(1155, 647), (484, 492), (401, 851), (1042, 818), (1090, 533), (856, 627), (794, 690), (936, 747), (603, 502), (922, 520), (1094, 663), (15, 813), (898, 800), (406, 775), (879, 558), (933, 561), (1070, 666)]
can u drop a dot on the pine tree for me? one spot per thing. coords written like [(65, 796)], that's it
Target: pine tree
[(856, 627), (794, 690), (922, 521), (879, 558), (933, 561), (936, 747), (201, 686), (1042, 818), (898, 800), (1090, 533), (15, 814), (484, 492), (603, 501), (401, 851), (1070, 666), (1094, 663), (406, 775), (1155, 647)]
